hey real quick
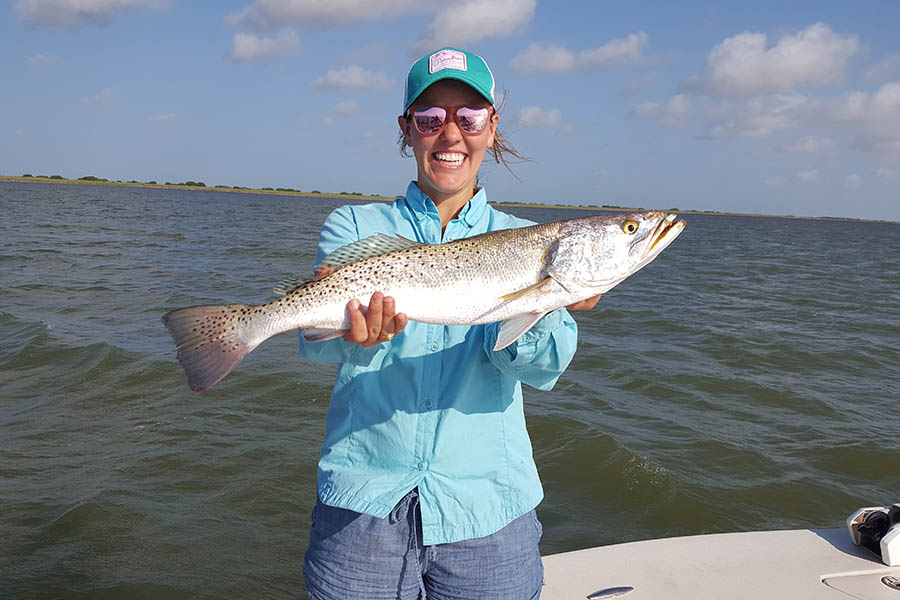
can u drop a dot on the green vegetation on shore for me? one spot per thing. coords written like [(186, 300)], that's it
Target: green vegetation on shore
[(199, 185), (189, 185)]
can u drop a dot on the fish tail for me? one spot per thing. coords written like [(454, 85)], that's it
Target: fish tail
[(212, 340)]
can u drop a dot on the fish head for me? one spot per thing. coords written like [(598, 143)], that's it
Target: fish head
[(594, 254)]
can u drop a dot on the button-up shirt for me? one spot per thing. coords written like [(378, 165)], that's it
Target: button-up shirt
[(435, 408)]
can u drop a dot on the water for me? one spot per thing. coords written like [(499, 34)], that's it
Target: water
[(747, 379)]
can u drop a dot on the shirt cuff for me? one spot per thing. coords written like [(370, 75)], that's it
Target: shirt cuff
[(362, 357), (526, 347)]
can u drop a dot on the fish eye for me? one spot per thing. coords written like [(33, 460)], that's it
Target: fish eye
[(630, 227)]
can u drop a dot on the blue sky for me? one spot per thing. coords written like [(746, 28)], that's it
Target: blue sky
[(772, 107)]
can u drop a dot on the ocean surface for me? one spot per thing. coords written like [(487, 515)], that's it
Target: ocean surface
[(747, 379)]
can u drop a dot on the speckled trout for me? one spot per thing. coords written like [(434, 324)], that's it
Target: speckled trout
[(515, 276)]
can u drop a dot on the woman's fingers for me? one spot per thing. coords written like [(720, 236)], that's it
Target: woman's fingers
[(585, 304), (379, 323), (374, 316), (358, 328), (400, 320)]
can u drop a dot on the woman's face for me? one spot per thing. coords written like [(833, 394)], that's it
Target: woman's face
[(448, 161)]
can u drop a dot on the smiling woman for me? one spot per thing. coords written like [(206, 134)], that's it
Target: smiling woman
[(427, 484)]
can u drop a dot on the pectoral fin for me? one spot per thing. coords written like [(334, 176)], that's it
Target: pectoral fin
[(544, 285), (514, 328), (311, 334)]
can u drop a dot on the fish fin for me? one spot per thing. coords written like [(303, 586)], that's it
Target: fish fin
[(212, 340), (374, 245), (314, 334), (541, 286), (289, 284), (515, 327)]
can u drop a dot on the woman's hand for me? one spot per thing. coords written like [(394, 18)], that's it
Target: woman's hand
[(380, 323), (585, 304)]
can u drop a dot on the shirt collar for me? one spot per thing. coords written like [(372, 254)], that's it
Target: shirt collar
[(423, 205)]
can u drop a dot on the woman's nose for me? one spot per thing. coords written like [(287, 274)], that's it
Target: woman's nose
[(451, 132)]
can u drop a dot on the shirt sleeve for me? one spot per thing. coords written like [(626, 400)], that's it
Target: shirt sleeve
[(541, 355), (339, 230)]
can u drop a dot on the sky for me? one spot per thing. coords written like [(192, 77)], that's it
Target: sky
[(763, 107)]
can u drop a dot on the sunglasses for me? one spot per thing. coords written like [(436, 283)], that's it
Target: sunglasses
[(429, 121)]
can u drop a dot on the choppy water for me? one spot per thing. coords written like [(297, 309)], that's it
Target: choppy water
[(748, 379)]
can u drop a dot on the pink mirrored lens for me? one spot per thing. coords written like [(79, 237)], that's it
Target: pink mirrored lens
[(429, 121), (472, 120)]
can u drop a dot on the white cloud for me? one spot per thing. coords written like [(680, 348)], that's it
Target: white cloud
[(69, 13), (810, 145), (879, 110), (464, 22), (535, 116), (265, 15), (885, 172), (248, 46), (774, 181), (348, 108), (354, 77), (44, 58), (163, 118), (672, 114), (105, 96), (743, 66), (886, 69), (873, 117), (467, 22), (809, 176), (544, 58), (878, 144), (757, 117), (622, 50), (852, 181)]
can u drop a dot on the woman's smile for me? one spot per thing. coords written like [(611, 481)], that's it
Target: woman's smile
[(448, 160)]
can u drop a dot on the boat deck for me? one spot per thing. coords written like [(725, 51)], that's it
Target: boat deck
[(771, 565)]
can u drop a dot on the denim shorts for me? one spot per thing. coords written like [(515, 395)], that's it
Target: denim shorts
[(357, 556)]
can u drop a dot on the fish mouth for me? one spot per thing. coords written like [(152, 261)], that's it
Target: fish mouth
[(665, 233)]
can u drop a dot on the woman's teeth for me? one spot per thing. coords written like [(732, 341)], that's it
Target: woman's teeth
[(451, 159)]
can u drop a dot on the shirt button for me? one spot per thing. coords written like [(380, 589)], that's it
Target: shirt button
[(435, 346), (428, 404), (422, 466)]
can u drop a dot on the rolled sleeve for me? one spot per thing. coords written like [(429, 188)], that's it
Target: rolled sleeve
[(541, 355)]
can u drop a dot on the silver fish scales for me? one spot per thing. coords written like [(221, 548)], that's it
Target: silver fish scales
[(515, 276)]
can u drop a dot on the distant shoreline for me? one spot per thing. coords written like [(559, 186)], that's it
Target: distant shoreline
[(358, 196), (182, 186), (619, 209)]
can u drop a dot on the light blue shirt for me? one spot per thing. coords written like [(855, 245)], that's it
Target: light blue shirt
[(435, 407)]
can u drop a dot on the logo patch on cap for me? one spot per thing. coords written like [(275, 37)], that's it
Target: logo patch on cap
[(446, 59)]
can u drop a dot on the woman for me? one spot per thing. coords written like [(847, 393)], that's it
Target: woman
[(426, 484)]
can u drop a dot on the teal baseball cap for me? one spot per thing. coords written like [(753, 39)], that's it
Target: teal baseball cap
[(449, 63)]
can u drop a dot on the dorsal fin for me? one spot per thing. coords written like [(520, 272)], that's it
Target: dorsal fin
[(374, 245), (289, 284)]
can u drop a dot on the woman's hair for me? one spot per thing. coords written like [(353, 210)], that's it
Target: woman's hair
[(500, 149)]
